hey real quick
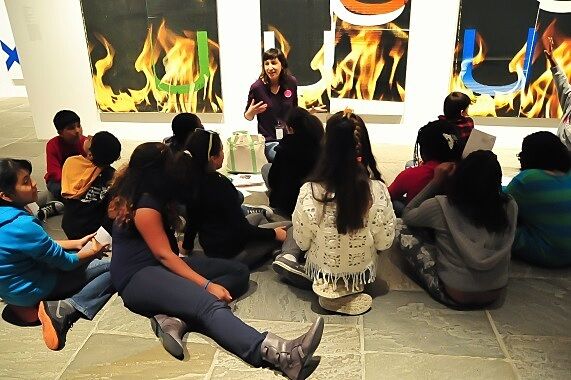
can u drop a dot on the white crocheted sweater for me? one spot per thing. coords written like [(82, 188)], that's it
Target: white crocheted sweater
[(332, 256)]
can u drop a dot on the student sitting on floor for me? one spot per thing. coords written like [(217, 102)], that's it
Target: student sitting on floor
[(343, 216), (152, 279), (542, 191), (455, 107), (459, 244), (182, 126), (34, 269), (436, 143), (69, 142), (85, 181), (213, 207), (296, 156)]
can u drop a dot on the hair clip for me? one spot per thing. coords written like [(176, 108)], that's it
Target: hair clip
[(187, 153), (347, 112)]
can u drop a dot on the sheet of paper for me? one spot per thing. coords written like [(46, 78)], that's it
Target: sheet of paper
[(102, 236), (478, 140)]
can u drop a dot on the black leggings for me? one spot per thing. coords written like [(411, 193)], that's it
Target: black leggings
[(156, 290)]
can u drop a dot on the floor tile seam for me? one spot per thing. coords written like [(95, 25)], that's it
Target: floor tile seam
[(74, 355), (361, 328), (208, 374), (502, 344), (557, 337), (499, 337), (250, 320), (487, 358)]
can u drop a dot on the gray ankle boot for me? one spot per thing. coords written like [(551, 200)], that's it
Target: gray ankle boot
[(290, 356), (170, 331)]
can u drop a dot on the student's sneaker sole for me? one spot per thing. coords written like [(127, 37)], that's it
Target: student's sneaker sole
[(292, 275), (353, 304), (168, 342), (331, 291), (49, 331)]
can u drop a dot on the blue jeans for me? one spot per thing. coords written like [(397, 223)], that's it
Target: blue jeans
[(87, 288)]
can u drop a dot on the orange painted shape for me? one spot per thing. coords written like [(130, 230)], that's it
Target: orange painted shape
[(359, 7)]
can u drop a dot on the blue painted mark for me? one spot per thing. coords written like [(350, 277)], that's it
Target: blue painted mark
[(12, 55), (466, 67)]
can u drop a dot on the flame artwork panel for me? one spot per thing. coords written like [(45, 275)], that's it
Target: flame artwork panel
[(154, 55), (499, 58), (346, 49)]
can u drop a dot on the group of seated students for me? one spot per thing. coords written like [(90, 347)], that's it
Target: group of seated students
[(457, 230)]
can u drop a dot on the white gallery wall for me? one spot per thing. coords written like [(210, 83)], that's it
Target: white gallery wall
[(11, 83), (52, 45)]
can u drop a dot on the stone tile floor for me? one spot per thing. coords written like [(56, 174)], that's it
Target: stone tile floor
[(406, 335)]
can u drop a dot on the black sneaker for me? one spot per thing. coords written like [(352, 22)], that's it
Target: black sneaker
[(50, 209), (292, 271), (258, 209), (56, 317)]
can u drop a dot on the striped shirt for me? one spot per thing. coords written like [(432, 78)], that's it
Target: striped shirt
[(544, 225)]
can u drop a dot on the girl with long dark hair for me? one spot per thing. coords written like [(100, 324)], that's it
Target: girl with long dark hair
[(466, 263), (343, 216), (193, 291), (213, 207)]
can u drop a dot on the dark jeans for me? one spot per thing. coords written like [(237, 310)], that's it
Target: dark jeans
[(55, 189), (156, 290), (256, 251), (86, 288)]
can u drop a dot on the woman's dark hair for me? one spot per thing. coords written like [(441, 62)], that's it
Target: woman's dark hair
[(455, 103), (105, 149), (9, 168), (544, 150), (274, 53), (344, 170), (476, 191), (306, 124), (183, 125), (437, 141), (192, 164), (146, 172)]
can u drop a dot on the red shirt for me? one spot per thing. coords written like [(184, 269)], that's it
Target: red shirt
[(411, 181), (463, 123), (57, 151)]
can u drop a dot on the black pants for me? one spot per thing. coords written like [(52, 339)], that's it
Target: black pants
[(156, 290)]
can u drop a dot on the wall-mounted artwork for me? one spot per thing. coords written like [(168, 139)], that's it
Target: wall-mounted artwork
[(499, 58), (8, 53), (154, 55), (342, 49)]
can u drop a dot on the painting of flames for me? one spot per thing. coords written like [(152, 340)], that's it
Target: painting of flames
[(538, 98), (158, 68)]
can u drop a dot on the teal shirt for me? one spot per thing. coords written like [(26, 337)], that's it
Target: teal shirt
[(544, 221), (30, 260)]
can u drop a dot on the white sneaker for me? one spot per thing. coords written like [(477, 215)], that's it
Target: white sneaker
[(332, 291), (353, 304)]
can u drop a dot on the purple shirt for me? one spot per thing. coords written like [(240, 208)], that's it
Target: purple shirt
[(279, 105)]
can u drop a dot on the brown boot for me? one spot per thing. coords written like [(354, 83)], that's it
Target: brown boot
[(170, 331), (290, 356)]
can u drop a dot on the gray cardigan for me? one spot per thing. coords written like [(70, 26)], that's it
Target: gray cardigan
[(470, 258), (564, 91)]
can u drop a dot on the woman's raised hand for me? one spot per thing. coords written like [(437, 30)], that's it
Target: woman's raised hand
[(254, 109)]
